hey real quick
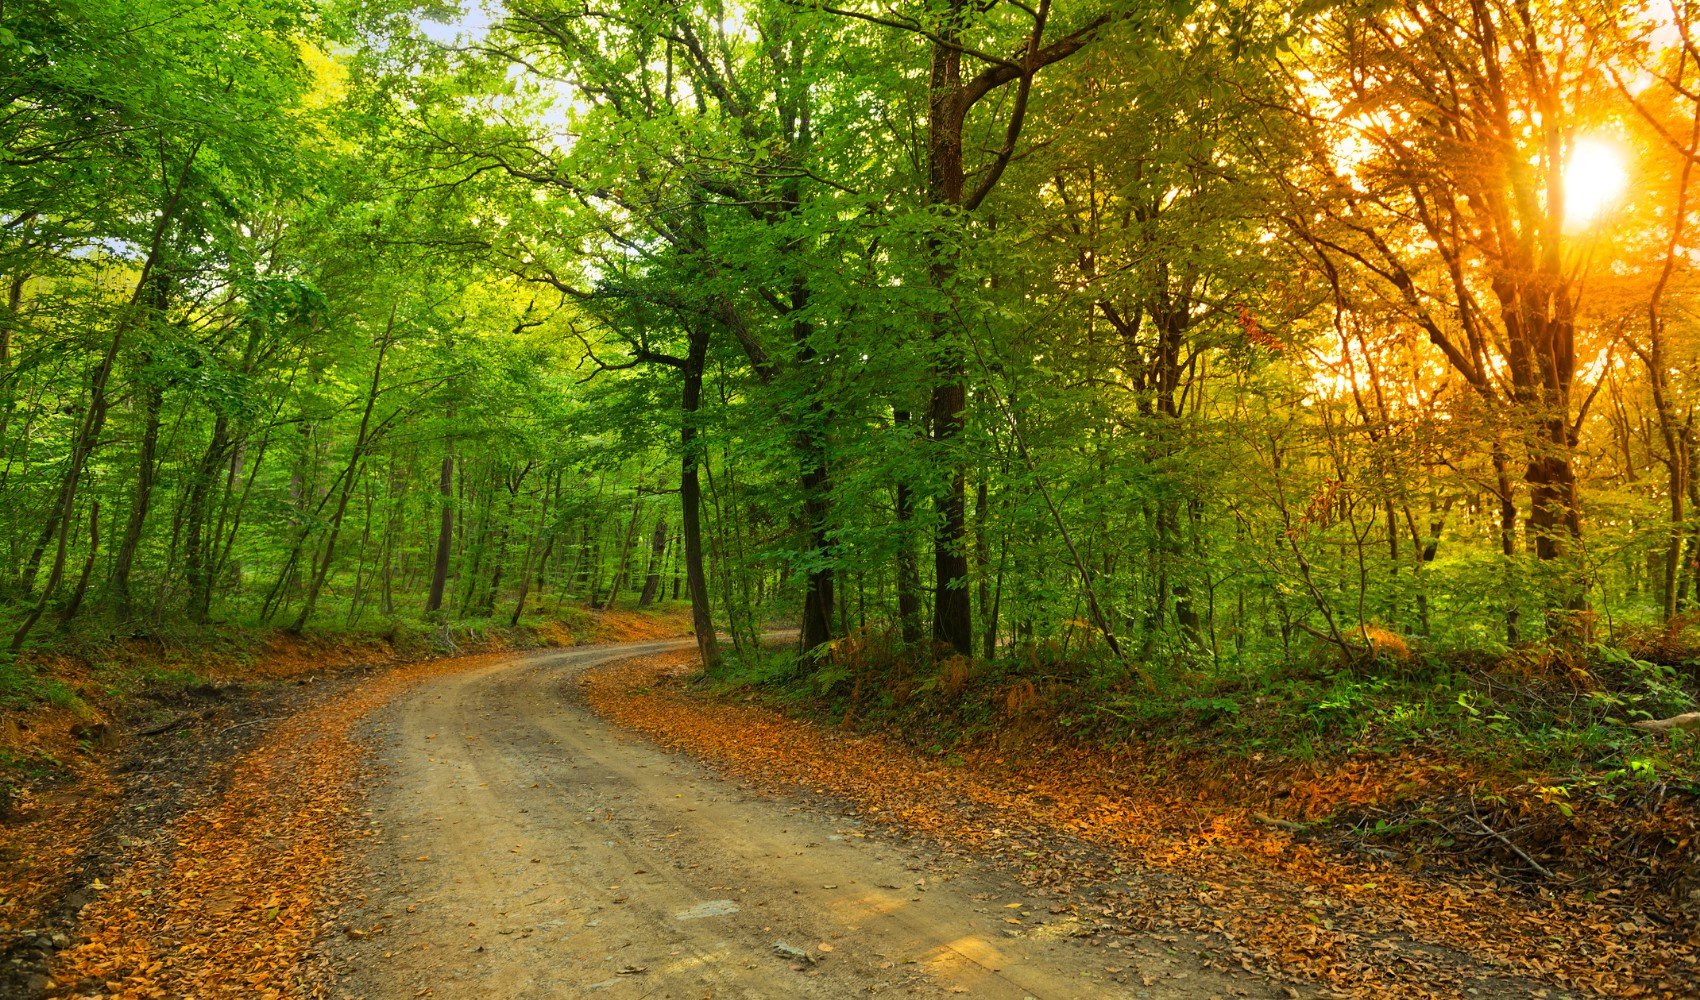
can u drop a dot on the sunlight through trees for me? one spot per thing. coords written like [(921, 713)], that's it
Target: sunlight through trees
[(1194, 342)]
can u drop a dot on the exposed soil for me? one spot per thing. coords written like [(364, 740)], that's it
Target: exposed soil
[(503, 825), (67, 843), (140, 788), (526, 849), (1156, 849)]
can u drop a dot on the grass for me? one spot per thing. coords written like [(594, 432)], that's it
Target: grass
[(1561, 718), (22, 685)]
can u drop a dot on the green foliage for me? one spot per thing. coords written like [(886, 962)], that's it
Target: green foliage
[(21, 686), (292, 287)]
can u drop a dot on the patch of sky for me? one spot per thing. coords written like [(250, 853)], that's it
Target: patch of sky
[(459, 25)]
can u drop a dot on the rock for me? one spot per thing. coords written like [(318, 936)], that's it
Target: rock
[(793, 953), (710, 908)]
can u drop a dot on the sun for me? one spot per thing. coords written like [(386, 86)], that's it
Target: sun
[(1594, 179)]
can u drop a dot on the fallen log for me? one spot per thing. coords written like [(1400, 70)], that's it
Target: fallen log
[(1687, 720)]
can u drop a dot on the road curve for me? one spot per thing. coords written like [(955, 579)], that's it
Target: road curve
[(524, 848)]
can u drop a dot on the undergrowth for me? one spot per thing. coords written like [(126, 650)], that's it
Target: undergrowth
[(23, 685), (1560, 714), (1523, 764)]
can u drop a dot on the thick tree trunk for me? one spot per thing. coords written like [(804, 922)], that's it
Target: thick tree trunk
[(952, 614), (445, 534), (690, 502), (1555, 517), (953, 620), (947, 110), (818, 581)]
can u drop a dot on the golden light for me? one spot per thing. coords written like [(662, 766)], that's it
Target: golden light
[(1594, 180)]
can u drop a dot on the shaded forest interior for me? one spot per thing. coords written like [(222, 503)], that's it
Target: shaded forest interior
[(1306, 378)]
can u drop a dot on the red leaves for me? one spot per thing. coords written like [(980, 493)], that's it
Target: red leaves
[(1255, 334)]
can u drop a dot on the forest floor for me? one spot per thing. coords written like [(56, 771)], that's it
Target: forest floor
[(1231, 854), (100, 784), (519, 825)]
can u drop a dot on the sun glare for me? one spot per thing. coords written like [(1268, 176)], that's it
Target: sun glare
[(1594, 179)]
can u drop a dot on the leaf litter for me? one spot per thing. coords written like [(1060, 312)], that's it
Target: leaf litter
[(230, 903), (1161, 851)]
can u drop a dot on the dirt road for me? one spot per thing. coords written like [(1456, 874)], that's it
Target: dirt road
[(524, 848)]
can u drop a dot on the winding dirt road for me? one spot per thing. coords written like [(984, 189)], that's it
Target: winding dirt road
[(524, 848)]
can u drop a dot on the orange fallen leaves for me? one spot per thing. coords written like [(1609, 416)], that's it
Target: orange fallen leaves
[(1288, 904), (42, 844), (230, 903), (614, 625)]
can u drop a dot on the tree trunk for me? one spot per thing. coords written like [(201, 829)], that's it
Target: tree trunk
[(947, 109), (445, 534), (622, 566), (147, 462), (76, 602), (488, 608), (197, 556), (657, 549), (350, 476), (386, 558), (908, 570), (94, 418), (690, 502), (477, 548), (982, 563), (1508, 543), (230, 520), (530, 550)]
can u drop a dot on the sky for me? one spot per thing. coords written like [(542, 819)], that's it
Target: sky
[(473, 23)]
